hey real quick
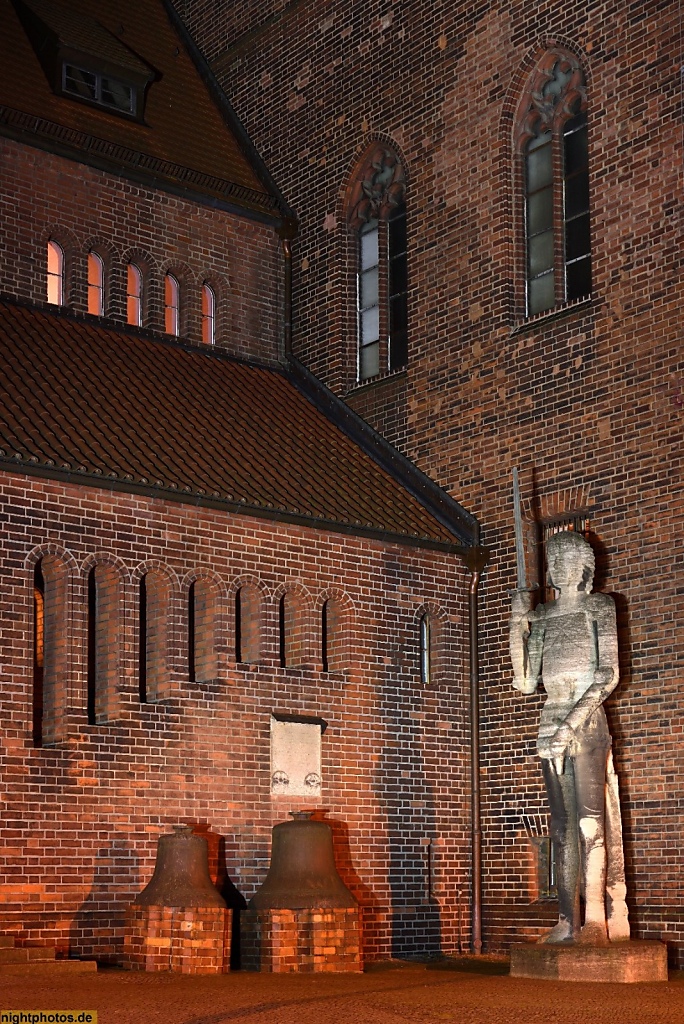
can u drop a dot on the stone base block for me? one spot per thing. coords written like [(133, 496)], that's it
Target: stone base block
[(303, 941), (620, 962), (187, 940)]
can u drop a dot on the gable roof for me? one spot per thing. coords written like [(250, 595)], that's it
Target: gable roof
[(97, 404), (190, 138)]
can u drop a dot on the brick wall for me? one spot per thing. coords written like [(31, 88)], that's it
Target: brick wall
[(81, 814), (83, 209), (587, 403)]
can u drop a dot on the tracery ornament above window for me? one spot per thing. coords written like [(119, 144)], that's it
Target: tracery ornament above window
[(378, 188), (555, 93)]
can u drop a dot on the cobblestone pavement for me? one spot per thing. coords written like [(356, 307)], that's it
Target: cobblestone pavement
[(464, 992)]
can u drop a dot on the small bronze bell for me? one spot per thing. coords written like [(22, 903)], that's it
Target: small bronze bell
[(181, 873), (302, 872)]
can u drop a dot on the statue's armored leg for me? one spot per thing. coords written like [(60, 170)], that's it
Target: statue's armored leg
[(616, 889), (561, 793), (590, 784)]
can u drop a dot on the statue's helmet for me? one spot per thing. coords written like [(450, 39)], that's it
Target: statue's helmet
[(577, 555)]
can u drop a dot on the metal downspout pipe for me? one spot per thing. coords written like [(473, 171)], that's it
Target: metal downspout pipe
[(287, 231), (475, 559)]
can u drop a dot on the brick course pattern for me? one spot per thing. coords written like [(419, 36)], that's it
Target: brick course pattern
[(301, 941), (161, 233), (81, 814), (185, 940), (586, 401)]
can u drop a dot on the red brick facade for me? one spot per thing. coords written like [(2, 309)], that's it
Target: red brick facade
[(82, 813), (587, 400), (161, 233)]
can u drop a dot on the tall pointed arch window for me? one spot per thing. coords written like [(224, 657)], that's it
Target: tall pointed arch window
[(171, 305), (55, 273), (95, 284), (552, 146), (377, 216), (134, 295)]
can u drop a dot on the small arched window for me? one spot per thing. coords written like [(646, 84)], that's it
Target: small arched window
[(247, 624), (425, 667), (552, 144), (378, 217), (50, 657), (171, 305), (95, 284), (55, 273), (208, 314), (104, 595), (134, 295), (202, 631)]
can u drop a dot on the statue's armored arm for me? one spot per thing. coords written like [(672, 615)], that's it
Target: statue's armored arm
[(525, 667)]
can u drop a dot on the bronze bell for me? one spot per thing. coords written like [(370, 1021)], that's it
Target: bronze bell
[(302, 874), (181, 873)]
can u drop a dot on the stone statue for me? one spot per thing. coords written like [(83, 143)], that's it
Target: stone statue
[(570, 645)]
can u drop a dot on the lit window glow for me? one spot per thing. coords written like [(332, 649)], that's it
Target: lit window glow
[(55, 274), (208, 314), (171, 305), (95, 284), (133, 295)]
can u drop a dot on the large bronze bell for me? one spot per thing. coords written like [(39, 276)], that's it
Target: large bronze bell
[(302, 874), (181, 873)]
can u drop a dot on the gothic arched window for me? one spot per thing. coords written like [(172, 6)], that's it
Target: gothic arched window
[(552, 145), (377, 215)]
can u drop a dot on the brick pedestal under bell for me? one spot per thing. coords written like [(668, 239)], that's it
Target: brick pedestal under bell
[(303, 941), (187, 940)]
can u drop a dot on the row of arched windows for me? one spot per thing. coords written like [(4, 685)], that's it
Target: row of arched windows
[(155, 631), (552, 209), (135, 293)]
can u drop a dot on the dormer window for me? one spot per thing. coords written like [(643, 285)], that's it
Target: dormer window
[(83, 60), (98, 88)]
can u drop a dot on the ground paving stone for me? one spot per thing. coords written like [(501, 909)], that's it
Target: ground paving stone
[(464, 992)]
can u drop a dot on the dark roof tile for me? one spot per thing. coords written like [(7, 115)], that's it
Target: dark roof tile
[(80, 395)]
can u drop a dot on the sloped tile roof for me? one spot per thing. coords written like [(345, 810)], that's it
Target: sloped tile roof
[(110, 407), (184, 139)]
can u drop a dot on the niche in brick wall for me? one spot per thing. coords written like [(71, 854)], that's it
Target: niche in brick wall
[(296, 755)]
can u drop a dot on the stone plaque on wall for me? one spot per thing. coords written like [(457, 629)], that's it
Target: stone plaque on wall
[(296, 756)]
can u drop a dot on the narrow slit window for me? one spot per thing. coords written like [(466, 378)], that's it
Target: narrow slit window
[(142, 641), (398, 288), (540, 227), (282, 631), (38, 653), (92, 647), (134, 295), (171, 305), (425, 648), (208, 314), (95, 284), (369, 300), (238, 625), (55, 274), (576, 209), (191, 633), (324, 637)]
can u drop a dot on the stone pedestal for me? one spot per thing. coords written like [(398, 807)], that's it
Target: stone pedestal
[(302, 941), (189, 940), (632, 961)]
